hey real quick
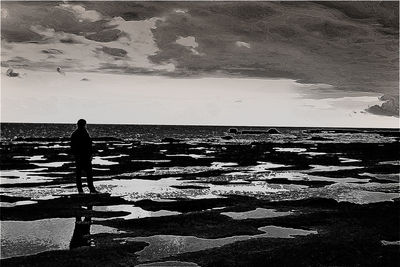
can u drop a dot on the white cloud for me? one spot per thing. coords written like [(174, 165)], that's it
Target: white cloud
[(243, 44), (139, 42), (179, 10), (190, 43), (194, 51), (85, 55), (81, 13), (4, 13)]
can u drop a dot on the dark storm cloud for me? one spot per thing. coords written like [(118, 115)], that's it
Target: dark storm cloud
[(21, 16), (23, 63), (352, 46), (317, 44), (389, 108), (355, 50), (52, 51), (16, 62), (117, 52), (105, 35)]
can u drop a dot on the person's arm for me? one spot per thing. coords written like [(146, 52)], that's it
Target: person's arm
[(90, 147)]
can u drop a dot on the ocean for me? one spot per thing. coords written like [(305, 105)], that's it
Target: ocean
[(10, 131)]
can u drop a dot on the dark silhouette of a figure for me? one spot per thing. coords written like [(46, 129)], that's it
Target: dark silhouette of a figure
[(81, 235), (81, 146)]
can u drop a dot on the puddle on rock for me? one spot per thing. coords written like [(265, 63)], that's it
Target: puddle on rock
[(363, 197), (348, 160), (18, 203), (312, 154), (134, 189), (23, 176), (103, 161), (51, 164), (152, 160), (194, 156), (135, 212), (323, 168), (262, 166), (36, 158), (393, 177), (363, 193), (162, 246), (290, 149), (22, 238), (220, 165), (256, 214)]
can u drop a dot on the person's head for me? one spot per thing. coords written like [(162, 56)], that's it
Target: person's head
[(81, 124)]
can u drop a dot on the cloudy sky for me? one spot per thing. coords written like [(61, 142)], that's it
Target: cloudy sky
[(221, 63)]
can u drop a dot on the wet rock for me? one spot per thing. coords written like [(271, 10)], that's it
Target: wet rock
[(11, 73), (110, 254), (170, 140), (64, 207), (273, 131), (190, 205), (319, 138), (299, 182), (254, 132), (342, 230), (12, 199)]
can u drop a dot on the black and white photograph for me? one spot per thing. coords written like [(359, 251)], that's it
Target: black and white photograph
[(199, 133)]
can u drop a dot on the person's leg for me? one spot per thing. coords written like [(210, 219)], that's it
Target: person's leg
[(89, 174), (88, 219), (79, 177)]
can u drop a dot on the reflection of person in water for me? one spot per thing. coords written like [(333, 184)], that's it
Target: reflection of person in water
[(81, 235), (81, 146)]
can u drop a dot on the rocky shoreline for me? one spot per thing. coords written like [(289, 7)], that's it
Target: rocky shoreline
[(216, 202)]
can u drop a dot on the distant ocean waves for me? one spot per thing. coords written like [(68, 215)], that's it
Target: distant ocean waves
[(21, 131), (143, 132)]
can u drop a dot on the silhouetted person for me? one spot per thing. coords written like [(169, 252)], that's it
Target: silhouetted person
[(81, 235), (81, 146)]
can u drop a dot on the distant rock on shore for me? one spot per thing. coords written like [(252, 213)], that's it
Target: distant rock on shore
[(269, 131), (273, 131), (233, 131)]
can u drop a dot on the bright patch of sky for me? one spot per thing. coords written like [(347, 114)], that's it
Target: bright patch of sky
[(112, 98)]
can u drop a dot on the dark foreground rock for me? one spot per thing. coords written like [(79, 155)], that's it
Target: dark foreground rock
[(117, 255), (347, 235)]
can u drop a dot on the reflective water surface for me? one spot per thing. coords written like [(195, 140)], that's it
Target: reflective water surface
[(256, 214), (161, 246)]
